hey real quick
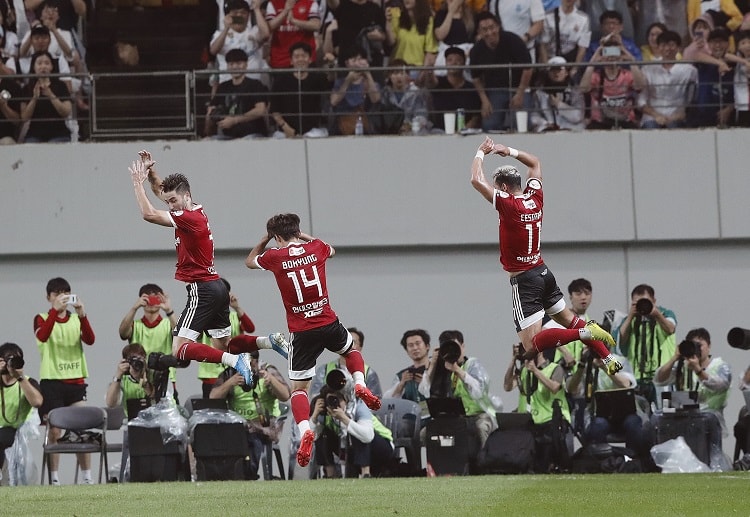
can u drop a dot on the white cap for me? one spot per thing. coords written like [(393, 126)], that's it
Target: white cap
[(557, 61)]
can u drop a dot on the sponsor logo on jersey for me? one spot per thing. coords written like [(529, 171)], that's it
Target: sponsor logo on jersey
[(177, 242), (296, 252), (310, 309), (535, 184), (178, 213), (529, 204)]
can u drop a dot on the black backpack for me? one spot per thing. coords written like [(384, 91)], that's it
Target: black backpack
[(508, 451)]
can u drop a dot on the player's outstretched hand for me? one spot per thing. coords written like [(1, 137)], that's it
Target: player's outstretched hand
[(138, 172), (501, 149), (146, 158), (487, 146)]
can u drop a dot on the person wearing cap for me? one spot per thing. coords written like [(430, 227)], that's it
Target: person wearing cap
[(258, 403), (61, 40), (239, 107), (669, 87), (558, 104), (452, 91), (714, 98), (40, 41)]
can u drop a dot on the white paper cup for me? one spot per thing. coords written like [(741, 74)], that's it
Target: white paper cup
[(522, 119), (449, 119)]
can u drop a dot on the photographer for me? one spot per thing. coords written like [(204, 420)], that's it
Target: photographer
[(18, 394), (259, 404), (693, 368), (416, 343), (647, 338), (131, 378), (345, 427), (452, 374)]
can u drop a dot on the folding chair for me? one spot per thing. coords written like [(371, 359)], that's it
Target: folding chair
[(272, 449), (76, 419), (403, 417)]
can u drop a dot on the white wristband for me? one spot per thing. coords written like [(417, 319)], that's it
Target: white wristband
[(480, 155), (512, 152)]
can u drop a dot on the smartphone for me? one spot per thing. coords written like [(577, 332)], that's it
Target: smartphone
[(611, 51), (72, 299), (152, 299), (238, 19)]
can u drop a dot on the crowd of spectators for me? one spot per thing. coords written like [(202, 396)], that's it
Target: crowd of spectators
[(395, 66)]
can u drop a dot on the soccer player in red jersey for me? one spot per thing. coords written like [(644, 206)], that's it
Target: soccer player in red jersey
[(299, 265), (534, 288), (207, 308)]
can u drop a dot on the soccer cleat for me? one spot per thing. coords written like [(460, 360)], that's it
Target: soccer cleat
[(599, 334), (279, 344), (304, 453), (243, 368), (366, 396), (613, 366)]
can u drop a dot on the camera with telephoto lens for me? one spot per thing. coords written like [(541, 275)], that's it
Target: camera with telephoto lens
[(689, 349), (15, 361), (333, 401), (644, 306), (416, 370), (136, 363), (449, 351)]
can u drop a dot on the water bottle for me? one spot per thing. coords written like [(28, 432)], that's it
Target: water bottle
[(460, 119), (359, 127)]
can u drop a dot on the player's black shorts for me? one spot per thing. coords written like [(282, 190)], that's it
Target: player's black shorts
[(534, 292), (59, 394), (207, 310), (309, 344)]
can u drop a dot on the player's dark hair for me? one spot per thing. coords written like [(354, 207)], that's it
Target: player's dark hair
[(355, 330), (58, 285), (133, 349), (451, 335), (150, 289), (578, 285), (699, 333), (285, 226), (509, 175), (175, 182), (643, 289), (415, 332)]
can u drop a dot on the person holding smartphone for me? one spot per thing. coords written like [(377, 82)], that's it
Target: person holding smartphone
[(60, 335)]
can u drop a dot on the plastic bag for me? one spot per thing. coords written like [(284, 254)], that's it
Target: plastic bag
[(169, 418), (22, 469), (213, 416), (675, 456)]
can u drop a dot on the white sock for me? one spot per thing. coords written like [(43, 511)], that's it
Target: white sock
[(228, 359), (86, 474), (303, 426), (585, 333), (359, 378), (53, 474), (263, 342), (608, 359)]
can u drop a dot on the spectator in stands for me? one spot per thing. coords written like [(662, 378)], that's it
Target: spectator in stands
[(454, 27), (411, 33), (558, 103), (47, 102), (402, 93), (612, 27), (238, 33), (240, 106), (291, 21), (353, 95), (15, 19), (40, 42), (613, 87), (10, 107), (259, 404), (19, 394), (595, 8), (297, 96), (8, 41), (524, 18), (71, 11), (727, 14), (501, 90), (650, 50), (358, 23), (691, 367), (670, 87), (61, 40), (476, 6), (671, 13), (741, 78), (567, 34), (452, 92), (714, 100)]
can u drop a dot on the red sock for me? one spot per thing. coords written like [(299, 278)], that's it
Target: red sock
[(198, 352), (552, 338), (300, 406), (597, 346), (354, 361), (243, 343)]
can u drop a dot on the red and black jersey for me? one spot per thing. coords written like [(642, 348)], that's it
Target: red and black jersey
[(195, 245), (300, 271), (521, 227)]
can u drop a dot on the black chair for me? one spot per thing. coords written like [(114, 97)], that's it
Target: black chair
[(78, 420), (403, 418)]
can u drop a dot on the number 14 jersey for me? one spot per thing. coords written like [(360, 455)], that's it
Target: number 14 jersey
[(300, 271)]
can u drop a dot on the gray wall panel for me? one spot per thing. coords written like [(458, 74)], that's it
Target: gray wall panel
[(733, 157)]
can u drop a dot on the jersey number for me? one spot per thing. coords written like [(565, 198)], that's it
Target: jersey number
[(313, 281), (532, 229)]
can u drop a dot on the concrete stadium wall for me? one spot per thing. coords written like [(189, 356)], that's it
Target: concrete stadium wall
[(417, 247)]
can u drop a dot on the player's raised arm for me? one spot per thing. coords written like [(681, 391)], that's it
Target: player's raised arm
[(307, 237), (138, 173), (528, 159), (153, 178), (478, 179), (257, 250)]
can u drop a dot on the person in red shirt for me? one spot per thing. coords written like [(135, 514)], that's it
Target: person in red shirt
[(291, 21), (299, 266), (207, 308), (535, 290)]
